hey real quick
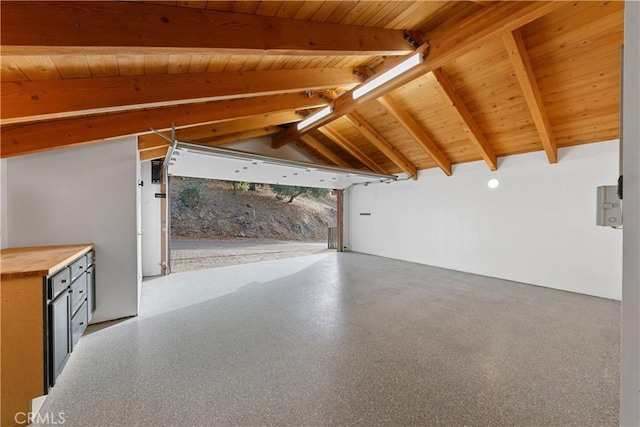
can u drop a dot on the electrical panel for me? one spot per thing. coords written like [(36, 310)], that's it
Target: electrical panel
[(609, 209), (156, 171)]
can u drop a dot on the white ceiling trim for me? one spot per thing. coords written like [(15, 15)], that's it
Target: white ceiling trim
[(198, 161)]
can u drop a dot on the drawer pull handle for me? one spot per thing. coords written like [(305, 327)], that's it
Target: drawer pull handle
[(63, 281), (80, 292), (80, 267), (81, 323)]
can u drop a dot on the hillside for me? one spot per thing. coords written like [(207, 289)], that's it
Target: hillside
[(220, 214)]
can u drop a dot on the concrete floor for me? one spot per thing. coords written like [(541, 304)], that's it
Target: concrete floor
[(346, 339)]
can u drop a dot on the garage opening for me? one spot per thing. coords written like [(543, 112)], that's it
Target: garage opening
[(216, 223), (232, 207)]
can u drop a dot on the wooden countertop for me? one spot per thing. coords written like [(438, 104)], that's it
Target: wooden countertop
[(38, 260)]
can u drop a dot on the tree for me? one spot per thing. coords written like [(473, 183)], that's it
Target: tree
[(292, 192)]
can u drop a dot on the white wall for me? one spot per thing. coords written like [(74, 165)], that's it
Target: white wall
[(537, 227), (4, 229), (151, 224), (76, 195), (138, 230), (630, 337)]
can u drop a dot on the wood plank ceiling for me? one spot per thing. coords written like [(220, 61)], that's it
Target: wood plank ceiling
[(499, 78)]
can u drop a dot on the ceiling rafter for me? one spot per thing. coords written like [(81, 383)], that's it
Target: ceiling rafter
[(156, 153), (469, 125), (24, 101), (484, 2), (220, 129), (47, 135), (240, 136), (382, 144), (350, 148), (416, 132), (324, 151), (445, 45), (128, 27), (524, 72)]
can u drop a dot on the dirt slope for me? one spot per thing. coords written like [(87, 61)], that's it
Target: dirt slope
[(258, 215)]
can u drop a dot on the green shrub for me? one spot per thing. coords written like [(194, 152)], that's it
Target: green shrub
[(191, 193), (242, 186)]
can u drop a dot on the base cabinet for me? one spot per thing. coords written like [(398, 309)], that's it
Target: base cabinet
[(68, 312), (48, 298)]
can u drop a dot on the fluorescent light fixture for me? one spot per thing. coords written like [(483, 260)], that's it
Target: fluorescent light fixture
[(388, 75), (318, 115)]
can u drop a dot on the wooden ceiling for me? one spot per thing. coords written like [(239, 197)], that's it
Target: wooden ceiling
[(499, 78)]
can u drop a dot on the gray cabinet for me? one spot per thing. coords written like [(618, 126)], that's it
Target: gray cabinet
[(47, 300), (70, 304)]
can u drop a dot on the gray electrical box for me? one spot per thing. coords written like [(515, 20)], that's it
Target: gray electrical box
[(609, 213)]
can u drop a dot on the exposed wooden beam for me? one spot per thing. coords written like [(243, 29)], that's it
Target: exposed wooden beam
[(36, 100), (58, 27), (416, 133), (522, 66), (47, 135), (156, 153), (324, 151), (354, 151), (445, 45), (382, 144), (240, 136), (469, 125), (220, 129), (484, 2)]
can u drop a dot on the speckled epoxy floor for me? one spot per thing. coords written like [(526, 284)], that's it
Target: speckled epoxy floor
[(346, 339)]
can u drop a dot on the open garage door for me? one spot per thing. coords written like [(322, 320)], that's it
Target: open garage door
[(188, 161), (197, 161)]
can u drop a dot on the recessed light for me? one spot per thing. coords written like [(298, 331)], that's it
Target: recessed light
[(493, 183)]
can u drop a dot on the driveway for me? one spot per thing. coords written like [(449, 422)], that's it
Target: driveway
[(189, 255)]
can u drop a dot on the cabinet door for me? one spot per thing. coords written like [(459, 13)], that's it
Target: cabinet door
[(58, 334), (91, 290)]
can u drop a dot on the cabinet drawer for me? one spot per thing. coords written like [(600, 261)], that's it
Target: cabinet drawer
[(59, 282), (78, 292), (78, 324), (78, 267)]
